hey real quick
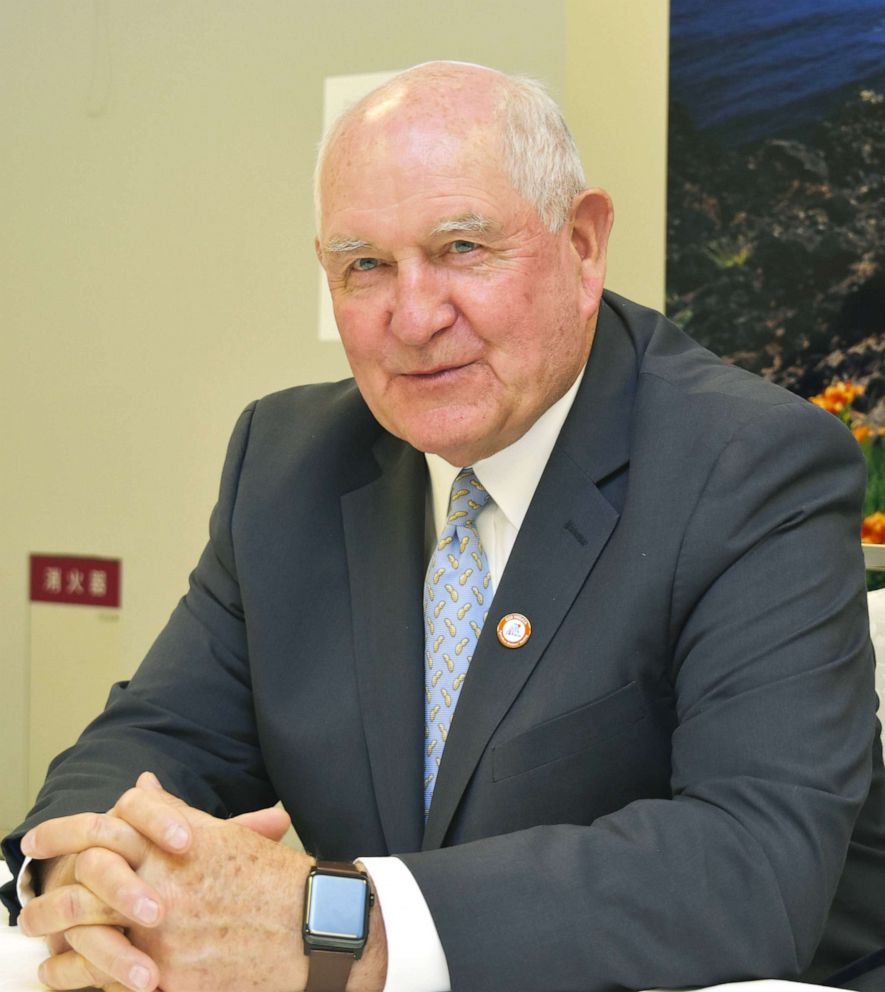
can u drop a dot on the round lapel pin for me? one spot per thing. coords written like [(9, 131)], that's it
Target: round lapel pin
[(514, 630)]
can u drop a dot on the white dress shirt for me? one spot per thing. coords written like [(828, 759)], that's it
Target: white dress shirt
[(416, 961)]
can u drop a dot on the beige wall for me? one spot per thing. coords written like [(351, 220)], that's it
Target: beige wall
[(614, 94), (156, 270)]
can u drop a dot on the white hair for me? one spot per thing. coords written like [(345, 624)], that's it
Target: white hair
[(539, 154)]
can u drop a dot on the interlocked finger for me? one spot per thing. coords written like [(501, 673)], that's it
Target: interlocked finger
[(100, 957), (111, 879), (105, 891), (65, 907), (73, 834), (140, 819), (56, 943), (157, 815)]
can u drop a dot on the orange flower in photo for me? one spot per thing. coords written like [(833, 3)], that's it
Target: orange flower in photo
[(838, 396), (872, 530)]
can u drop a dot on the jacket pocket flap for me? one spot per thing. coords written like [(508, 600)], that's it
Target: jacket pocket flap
[(570, 733)]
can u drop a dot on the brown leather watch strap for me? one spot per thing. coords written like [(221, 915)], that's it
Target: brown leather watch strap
[(328, 971), (340, 868)]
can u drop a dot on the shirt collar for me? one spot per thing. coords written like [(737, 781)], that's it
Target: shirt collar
[(510, 475)]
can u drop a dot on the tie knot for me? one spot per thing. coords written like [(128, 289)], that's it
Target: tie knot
[(467, 498)]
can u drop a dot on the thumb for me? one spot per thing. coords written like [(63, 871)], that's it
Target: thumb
[(271, 823), (147, 780), (150, 783)]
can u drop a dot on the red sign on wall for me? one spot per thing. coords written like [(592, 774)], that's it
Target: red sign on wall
[(81, 581)]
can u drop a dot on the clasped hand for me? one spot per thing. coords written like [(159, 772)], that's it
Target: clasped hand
[(158, 894)]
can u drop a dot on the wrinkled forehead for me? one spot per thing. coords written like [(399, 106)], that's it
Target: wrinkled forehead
[(417, 195)]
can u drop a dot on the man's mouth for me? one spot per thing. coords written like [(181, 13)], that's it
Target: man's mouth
[(437, 373)]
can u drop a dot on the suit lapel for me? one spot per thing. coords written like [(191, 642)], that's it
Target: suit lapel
[(571, 519), (384, 534)]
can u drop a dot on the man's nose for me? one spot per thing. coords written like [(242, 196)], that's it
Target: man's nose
[(422, 304)]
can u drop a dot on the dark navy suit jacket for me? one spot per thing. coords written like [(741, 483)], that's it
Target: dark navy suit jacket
[(659, 789)]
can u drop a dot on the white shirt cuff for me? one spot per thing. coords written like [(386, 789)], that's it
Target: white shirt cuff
[(24, 884), (416, 961)]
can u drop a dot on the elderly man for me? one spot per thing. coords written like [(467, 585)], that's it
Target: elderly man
[(551, 619)]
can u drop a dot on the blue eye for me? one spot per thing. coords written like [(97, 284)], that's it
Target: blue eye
[(365, 264), (462, 247)]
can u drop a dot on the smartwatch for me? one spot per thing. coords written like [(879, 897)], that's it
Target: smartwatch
[(337, 900)]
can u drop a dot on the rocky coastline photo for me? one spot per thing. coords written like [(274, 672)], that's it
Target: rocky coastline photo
[(776, 203)]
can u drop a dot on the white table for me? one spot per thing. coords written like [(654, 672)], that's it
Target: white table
[(20, 955)]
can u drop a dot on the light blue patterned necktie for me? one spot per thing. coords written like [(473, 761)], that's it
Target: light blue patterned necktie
[(457, 592)]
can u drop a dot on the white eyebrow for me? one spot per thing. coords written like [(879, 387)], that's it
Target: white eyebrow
[(467, 224), (471, 223), (340, 245)]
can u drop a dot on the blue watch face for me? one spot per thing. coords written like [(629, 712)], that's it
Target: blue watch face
[(337, 906)]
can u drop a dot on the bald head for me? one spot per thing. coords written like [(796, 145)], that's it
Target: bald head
[(522, 127)]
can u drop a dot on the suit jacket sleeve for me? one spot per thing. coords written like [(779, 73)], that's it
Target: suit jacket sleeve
[(733, 876)]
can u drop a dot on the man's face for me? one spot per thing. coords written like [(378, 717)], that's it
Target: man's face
[(462, 317)]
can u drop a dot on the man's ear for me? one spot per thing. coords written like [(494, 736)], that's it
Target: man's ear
[(590, 219)]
